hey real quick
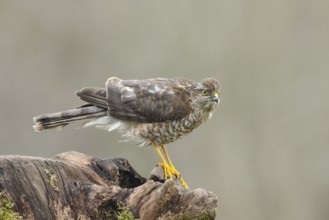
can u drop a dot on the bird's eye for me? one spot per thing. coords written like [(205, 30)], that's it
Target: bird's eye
[(205, 92)]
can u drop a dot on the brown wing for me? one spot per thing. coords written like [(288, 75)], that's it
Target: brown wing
[(153, 100)]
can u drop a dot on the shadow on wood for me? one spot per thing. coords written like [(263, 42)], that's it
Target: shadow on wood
[(72, 185)]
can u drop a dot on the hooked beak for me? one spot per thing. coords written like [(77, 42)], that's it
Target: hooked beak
[(215, 97)]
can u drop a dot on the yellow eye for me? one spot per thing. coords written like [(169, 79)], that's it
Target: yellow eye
[(205, 92)]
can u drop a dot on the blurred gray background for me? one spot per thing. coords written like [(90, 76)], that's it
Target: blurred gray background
[(265, 153)]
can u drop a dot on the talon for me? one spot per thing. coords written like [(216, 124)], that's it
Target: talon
[(168, 168), (169, 171), (175, 172)]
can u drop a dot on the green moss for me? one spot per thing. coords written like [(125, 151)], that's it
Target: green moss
[(7, 208), (118, 212), (124, 214), (52, 179)]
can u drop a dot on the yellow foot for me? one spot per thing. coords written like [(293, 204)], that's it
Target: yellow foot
[(174, 171), (166, 170), (178, 175), (170, 171), (183, 183)]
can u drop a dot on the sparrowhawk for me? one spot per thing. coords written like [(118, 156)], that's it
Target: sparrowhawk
[(151, 112)]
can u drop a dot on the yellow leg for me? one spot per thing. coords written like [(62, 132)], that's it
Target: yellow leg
[(166, 168), (172, 168)]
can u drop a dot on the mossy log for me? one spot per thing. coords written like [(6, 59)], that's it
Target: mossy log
[(72, 185)]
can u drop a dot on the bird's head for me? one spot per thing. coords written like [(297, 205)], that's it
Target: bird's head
[(206, 94)]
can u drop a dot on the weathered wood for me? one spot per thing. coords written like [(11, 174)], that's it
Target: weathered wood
[(72, 185)]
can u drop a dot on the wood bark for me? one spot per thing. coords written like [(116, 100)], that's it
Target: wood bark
[(72, 185)]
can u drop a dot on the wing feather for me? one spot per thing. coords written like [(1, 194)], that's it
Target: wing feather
[(153, 100), (146, 101)]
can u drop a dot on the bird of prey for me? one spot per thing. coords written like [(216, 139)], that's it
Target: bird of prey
[(151, 112)]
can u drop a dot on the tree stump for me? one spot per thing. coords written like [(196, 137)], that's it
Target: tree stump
[(72, 185)]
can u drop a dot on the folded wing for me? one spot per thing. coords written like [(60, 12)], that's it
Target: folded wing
[(146, 101)]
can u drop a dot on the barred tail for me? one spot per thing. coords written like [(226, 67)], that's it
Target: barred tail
[(61, 119)]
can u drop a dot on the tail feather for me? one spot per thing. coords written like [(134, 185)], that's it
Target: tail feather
[(61, 119), (94, 96)]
